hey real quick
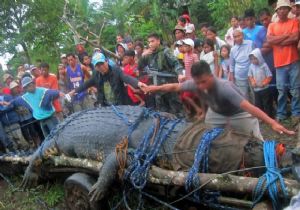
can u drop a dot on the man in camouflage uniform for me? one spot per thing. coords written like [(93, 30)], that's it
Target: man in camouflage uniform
[(160, 63)]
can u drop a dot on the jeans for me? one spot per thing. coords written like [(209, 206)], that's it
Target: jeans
[(288, 79), (48, 124)]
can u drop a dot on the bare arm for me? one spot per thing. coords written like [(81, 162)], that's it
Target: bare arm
[(273, 40), (292, 39), (256, 112), (172, 87), (266, 48)]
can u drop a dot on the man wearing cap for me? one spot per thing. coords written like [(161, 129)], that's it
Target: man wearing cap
[(283, 36), (39, 101), (109, 81), (161, 61), (75, 76)]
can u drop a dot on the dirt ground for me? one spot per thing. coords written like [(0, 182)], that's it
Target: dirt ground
[(50, 196)]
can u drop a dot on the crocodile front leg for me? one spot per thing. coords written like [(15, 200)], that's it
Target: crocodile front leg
[(32, 172), (107, 175)]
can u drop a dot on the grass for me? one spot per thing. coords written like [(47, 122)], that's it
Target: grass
[(47, 196)]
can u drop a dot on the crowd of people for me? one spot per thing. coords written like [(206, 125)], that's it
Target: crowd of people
[(258, 61)]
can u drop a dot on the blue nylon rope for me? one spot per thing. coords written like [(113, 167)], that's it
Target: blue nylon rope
[(268, 181), (146, 153), (201, 158)]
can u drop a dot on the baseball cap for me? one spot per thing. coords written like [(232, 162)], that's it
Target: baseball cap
[(189, 42), (26, 81), (63, 56), (98, 58), (179, 43), (13, 84)]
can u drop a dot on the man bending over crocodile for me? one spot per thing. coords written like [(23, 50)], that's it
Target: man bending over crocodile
[(227, 105)]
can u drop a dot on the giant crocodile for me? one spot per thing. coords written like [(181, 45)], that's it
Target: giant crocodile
[(94, 134)]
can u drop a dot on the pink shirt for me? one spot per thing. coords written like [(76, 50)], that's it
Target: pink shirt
[(189, 60)]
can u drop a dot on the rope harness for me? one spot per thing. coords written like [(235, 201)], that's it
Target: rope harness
[(201, 159), (145, 154), (268, 181)]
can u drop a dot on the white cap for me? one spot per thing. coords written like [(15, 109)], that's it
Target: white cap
[(189, 42), (63, 56), (179, 42)]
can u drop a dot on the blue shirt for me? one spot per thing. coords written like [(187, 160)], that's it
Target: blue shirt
[(239, 59), (257, 35), (74, 80), (39, 102)]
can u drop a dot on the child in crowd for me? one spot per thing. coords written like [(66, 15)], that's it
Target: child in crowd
[(130, 68), (225, 62), (180, 55), (190, 100), (234, 25), (139, 49), (210, 56), (260, 76), (189, 56), (198, 47)]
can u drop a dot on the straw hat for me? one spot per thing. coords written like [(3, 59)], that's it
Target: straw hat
[(283, 3)]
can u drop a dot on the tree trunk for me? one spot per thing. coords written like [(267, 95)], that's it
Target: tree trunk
[(24, 46)]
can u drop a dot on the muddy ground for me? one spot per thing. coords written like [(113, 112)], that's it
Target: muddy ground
[(50, 196)]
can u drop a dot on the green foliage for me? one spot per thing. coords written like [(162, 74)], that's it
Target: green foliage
[(223, 10), (37, 25)]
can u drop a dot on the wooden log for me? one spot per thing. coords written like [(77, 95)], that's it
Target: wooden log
[(218, 182), (76, 162)]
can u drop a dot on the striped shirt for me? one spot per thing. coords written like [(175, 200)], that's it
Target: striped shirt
[(189, 60)]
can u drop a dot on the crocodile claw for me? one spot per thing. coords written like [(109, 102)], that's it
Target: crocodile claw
[(97, 192), (30, 179)]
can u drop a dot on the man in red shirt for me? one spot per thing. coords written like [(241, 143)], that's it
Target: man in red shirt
[(49, 81), (283, 36)]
